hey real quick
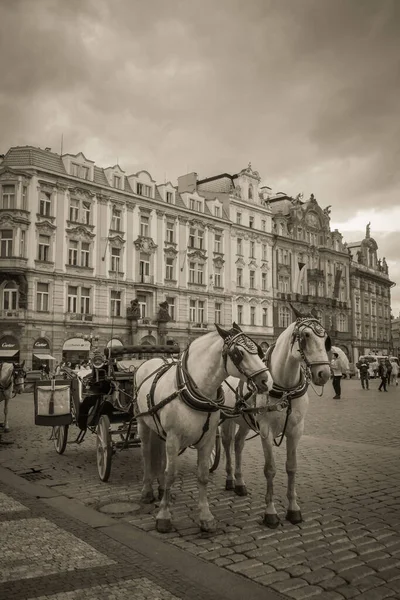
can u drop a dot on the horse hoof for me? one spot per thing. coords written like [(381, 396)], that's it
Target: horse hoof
[(147, 497), (294, 516), (160, 493), (229, 485), (163, 525), (208, 526), (6, 430), (240, 490), (271, 520)]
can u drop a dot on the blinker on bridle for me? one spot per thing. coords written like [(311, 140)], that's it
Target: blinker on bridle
[(231, 349), (318, 330)]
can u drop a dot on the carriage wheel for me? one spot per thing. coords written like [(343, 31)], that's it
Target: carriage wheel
[(104, 448), (216, 453), (60, 437)]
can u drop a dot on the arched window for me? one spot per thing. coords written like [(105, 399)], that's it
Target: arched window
[(284, 316), (250, 192), (10, 296)]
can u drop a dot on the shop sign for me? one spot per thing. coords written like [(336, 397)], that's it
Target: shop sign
[(75, 344), (8, 342), (41, 344)]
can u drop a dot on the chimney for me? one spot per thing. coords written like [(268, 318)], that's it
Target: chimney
[(48, 149), (187, 183)]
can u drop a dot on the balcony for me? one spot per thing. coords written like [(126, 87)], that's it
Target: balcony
[(79, 317), (13, 264), (315, 274), (198, 325), (12, 314)]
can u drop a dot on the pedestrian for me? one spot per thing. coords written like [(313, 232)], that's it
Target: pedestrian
[(389, 370), (363, 367), (337, 374), (382, 372), (395, 373)]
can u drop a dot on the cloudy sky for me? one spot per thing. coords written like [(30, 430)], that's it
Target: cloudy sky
[(307, 90)]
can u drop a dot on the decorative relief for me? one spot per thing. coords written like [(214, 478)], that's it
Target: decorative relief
[(9, 175), (218, 261), (145, 210), (12, 218), (197, 223), (80, 192), (145, 244), (45, 227), (170, 251), (160, 213), (197, 253), (253, 264), (265, 266), (46, 186), (117, 241), (80, 233), (240, 262), (182, 219)]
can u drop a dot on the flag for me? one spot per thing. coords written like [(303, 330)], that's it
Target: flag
[(338, 277)]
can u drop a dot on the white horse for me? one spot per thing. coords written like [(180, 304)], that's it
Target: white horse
[(12, 381), (299, 354), (180, 402)]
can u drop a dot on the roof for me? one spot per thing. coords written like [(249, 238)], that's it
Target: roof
[(218, 183), (28, 156), (100, 177)]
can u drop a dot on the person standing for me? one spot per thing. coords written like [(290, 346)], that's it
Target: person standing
[(395, 373), (337, 372), (389, 370), (363, 367), (382, 372)]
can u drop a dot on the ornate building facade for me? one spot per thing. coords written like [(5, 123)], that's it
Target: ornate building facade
[(89, 255)]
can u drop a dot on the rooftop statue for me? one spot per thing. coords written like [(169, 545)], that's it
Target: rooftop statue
[(133, 311), (368, 230), (163, 315)]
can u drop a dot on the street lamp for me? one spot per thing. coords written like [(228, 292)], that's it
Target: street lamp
[(93, 339)]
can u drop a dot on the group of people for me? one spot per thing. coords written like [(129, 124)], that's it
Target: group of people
[(388, 372)]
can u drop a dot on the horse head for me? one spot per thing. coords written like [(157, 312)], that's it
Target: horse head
[(245, 359), (19, 375), (311, 341)]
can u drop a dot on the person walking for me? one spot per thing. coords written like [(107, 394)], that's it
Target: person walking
[(363, 367), (382, 373), (389, 370), (337, 373), (395, 373)]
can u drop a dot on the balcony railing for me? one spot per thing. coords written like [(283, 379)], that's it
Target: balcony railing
[(146, 278), (12, 314), (79, 317)]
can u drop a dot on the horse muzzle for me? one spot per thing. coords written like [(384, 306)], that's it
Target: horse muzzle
[(261, 381), (320, 373)]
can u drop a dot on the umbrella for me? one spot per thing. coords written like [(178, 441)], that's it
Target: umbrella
[(342, 356)]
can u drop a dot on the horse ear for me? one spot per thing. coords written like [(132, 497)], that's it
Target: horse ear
[(236, 327), (224, 334), (22, 364), (297, 313)]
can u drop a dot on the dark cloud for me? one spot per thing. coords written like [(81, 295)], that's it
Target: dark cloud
[(307, 90)]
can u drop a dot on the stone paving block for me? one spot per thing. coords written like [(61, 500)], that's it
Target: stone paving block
[(245, 565), (332, 584), (315, 577), (35, 547), (381, 564), (355, 573), (272, 577), (378, 593), (344, 565), (8, 504), (390, 574), (348, 591), (369, 582), (301, 593), (135, 589), (288, 584)]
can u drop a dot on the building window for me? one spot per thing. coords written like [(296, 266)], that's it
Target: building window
[(239, 277), (218, 311), (217, 211), (263, 282), (117, 182), (142, 300), (169, 269), (284, 316), (169, 198), (44, 248), (171, 307), (144, 268), (143, 190), (24, 197), (144, 226), (45, 204), (192, 272), (252, 279), (115, 259), (283, 284), (358, 330), (218, 243), (139, 189), (357, 304), (250, 191), (239, 246), (22, 243), (192, 311), (85, 172), (73, 253), (10, 296), (240, 314), (252, 249), (196, 238), (264, 252), (72, 299), (42, 297), (217, 278), (8, 196), (264, 225), (373, 308), (196, 311), (116, 219), (86, 210), (265, 317), (366, 307), (74, 210), (85, 301), (6, 243), (196, 273), (199, 206), (170, 232), (251, 222), (342, 322), (252, 315), (191, 203), (238, 218), (85, 254), (115, 298)]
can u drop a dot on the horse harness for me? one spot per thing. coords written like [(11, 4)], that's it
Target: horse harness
[(4, 387)]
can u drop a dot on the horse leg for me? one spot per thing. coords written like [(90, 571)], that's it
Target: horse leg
[(240, 438), (163, 519), (227, 437), (147, 496), (159, 464), (6, 425), (271, 518), (207, 521), (293, 513)]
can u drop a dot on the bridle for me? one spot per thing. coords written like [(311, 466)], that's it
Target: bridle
[(232, 349), (312, 323)]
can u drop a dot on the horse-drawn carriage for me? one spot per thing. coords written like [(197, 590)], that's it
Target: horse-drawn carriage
[(102, 401)]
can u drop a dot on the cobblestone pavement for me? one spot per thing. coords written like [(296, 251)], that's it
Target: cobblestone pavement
[(348, 485)]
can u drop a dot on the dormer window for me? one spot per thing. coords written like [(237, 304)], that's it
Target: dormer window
[(79, 171), (117, 182), (217, 211), (251, 222), (85, 172), (143, 190), (169, 198), (74, 170), (250, 192), (199, 205), (191, 203)]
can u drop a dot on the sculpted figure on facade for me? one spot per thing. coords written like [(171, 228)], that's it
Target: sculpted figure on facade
[(163, 315), (133, 311), (385, 267), (368, 231)]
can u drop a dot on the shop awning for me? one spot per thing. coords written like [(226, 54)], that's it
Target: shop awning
[(44, 356), (8, 352)]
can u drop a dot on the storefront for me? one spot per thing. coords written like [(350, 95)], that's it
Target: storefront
[(41, 355), (76, 351), (9, 349)]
